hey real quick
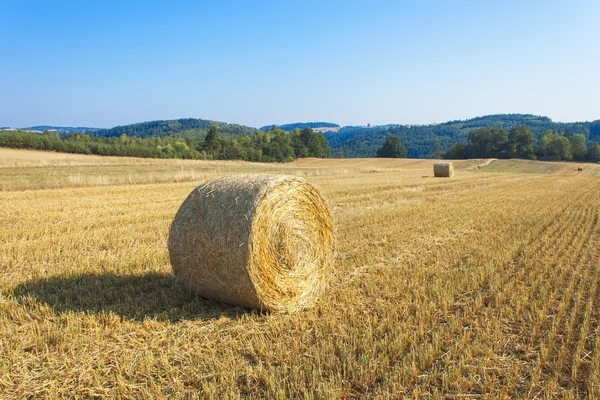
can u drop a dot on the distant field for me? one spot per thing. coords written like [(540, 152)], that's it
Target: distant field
[(327, 129), (23, 169), (481, 286), (397, 163)]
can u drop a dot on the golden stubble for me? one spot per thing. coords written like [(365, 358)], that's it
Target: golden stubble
[(485, 285)]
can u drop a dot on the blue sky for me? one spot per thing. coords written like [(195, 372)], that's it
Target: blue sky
[(107, 63)]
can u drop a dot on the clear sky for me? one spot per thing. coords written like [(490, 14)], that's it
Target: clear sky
[(107, 63)]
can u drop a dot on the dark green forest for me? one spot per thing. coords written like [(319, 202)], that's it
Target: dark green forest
[(420, 140), (274, 145), (193, 128), (181, 128)]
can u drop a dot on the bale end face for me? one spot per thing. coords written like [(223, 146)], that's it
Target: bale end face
[(443, 170)]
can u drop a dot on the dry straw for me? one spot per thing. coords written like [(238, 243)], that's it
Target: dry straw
[(260, 241), (443, 170)]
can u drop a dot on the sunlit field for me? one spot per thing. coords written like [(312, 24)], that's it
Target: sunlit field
[(480, 286)]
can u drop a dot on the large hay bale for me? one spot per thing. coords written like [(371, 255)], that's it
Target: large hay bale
[(444, 170), (261, 241)]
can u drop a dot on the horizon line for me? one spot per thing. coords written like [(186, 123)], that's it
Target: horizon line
[(298, 122)]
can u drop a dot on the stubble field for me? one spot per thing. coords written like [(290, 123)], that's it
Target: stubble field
[(480, 286)]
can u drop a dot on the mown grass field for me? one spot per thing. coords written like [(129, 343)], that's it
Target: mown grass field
[(481, 286)]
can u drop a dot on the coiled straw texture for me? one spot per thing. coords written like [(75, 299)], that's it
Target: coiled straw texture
[(260, 241)]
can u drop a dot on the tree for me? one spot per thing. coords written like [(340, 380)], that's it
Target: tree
[(300, 148), (280, 148), (311, 142), (457, 152), (392, 148), (232, 150), (181, 147), (560, 146), (578, 146), (555, 145), (520, 142), (488, 142), (212, 143), (169, 151), (593, 153), (324, 145), (260, 140), (545, 139), (595, 130), (437, 150), (308, 143)]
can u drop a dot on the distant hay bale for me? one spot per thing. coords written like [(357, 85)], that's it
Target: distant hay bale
[(443, 170), (260, 241)]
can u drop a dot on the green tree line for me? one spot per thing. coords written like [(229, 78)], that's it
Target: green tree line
[(274, 145), (519, 142), (420, 140)]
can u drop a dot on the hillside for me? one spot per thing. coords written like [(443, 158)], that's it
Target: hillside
[(419, 140), (193, 128)]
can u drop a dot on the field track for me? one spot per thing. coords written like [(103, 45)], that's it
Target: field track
[(481, 286)]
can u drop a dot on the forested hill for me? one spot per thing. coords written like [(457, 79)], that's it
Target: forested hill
[(192, 128), (419, 140), (302, 125)]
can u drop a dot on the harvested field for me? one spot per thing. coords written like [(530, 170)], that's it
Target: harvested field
[(396, 163), (540, 167), (484, 285)]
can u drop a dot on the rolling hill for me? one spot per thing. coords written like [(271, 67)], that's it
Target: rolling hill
[(194, 128)]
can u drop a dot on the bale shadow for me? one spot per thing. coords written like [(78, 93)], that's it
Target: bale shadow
[(134, 297)]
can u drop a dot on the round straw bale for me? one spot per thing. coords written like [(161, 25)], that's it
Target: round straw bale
[(260, 241), (444, 170)]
